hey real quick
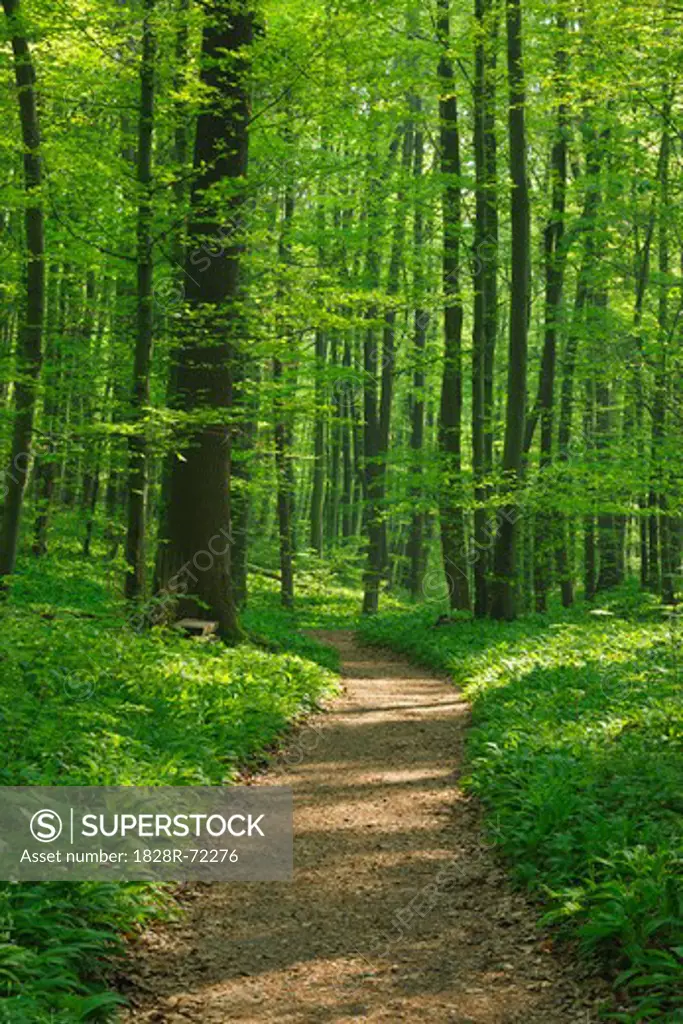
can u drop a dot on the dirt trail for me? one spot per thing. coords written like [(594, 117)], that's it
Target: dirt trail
[(397, 911)]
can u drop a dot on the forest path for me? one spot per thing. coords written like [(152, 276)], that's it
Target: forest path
[(397, 910)]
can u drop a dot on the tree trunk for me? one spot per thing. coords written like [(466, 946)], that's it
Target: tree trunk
[(662, 384), (415, 544), (92, 331), (347, 407), (379, 544), (137, 445), (46, 460), (29, 345), (453, 541), (565, 560), (196, 559), (485, 291), (318, 496), (489, 253), (503, 603), (589, 547), (608, 574), (247, 378), (555, 257), (283, 437), (375, 405)]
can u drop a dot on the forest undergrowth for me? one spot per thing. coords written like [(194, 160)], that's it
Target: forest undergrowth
[(87, 700), (574, 751)]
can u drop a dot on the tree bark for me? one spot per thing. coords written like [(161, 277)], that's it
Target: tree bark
[(453, 541), (137, 444), (372, 426), (565, 560), (662, 385), (415, 544), (484, 326), (45, 468), (29, 346), (589, 545), (503, 602), (318, 495), (196, 559), (545, 540), (283, 437), (347, 407)]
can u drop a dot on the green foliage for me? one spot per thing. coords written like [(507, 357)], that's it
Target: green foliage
[(87, 701), (56, 941), (576, 751)]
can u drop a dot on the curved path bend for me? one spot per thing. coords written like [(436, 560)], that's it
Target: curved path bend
[(397, 912)]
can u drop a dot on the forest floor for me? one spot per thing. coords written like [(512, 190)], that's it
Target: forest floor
[(398, 910)]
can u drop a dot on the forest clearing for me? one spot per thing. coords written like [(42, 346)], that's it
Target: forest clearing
[(341, 362)]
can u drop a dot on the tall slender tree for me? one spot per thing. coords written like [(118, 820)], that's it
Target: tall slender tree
[(555, 252), (504, 596), (283, 432), (29, 347), (137, 447), (416, 540), (453, 539)]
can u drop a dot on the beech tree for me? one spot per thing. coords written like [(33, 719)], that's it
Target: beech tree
[(29, 342), (196, 557), (504, 597)]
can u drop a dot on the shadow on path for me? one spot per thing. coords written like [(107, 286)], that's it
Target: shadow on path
[(397, 911)]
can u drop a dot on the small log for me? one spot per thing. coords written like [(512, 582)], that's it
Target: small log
[(197, 627)]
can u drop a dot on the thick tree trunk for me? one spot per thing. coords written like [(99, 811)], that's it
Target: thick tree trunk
[(503, 602), (196, 559), (29, 346), (170, 293)]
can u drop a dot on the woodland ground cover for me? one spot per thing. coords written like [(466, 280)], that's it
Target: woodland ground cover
[(575, 750), (87, 701)]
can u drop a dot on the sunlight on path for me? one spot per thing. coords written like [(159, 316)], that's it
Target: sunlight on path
[(397, 911)]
